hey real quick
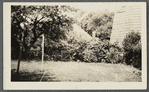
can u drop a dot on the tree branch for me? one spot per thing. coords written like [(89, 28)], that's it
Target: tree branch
[(40, 19)]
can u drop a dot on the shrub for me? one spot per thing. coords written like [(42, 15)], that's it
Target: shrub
[(132, 48), (89, 56), (115, 54), (94, 52)]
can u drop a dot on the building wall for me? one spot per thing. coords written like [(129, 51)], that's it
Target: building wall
[(126, 19)]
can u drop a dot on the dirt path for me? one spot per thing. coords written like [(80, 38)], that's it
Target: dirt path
[(86, 72)]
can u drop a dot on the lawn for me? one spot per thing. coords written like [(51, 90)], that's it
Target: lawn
[(74, 72)]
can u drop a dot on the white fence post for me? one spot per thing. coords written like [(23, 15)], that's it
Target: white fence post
[(42, 51)]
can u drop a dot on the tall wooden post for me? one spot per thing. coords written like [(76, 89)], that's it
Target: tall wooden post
[(42, 51)]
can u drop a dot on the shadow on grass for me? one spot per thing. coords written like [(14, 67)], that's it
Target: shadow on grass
[(31, 77)]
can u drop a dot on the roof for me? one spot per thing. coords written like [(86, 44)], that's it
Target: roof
[(79, 34)]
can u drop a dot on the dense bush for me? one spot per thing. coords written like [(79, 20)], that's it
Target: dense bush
[(101, 51), (132, 48), (94, 51), (115, 54)]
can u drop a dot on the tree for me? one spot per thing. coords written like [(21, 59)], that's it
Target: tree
[(99, 21), (28, 23), (133, 49)]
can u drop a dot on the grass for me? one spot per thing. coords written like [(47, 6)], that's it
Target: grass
[(75, 72)]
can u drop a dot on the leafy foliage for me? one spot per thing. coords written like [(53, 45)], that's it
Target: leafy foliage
[(115, 54), (99, 21), (132, 47), (30, 22), (94, 52)]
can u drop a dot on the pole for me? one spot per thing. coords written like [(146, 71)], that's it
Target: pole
[(42, 50)]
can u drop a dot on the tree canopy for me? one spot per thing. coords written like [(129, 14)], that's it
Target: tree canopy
[(33, 21), (98, 21)]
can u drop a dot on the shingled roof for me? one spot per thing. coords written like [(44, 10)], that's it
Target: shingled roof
[(126, 19), (79, 34)]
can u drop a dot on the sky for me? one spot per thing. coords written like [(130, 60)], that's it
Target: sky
[(111, 6), (93, 7), (88, 7)]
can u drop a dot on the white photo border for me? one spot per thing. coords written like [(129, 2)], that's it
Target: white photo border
[(8, 85)]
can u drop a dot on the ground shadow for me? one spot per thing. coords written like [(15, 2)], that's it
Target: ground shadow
[(31, 77)]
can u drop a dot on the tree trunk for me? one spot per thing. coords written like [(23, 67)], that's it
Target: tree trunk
[(27, 53), (20, 53)]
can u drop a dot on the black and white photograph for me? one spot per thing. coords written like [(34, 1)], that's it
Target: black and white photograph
[(91, 43)]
